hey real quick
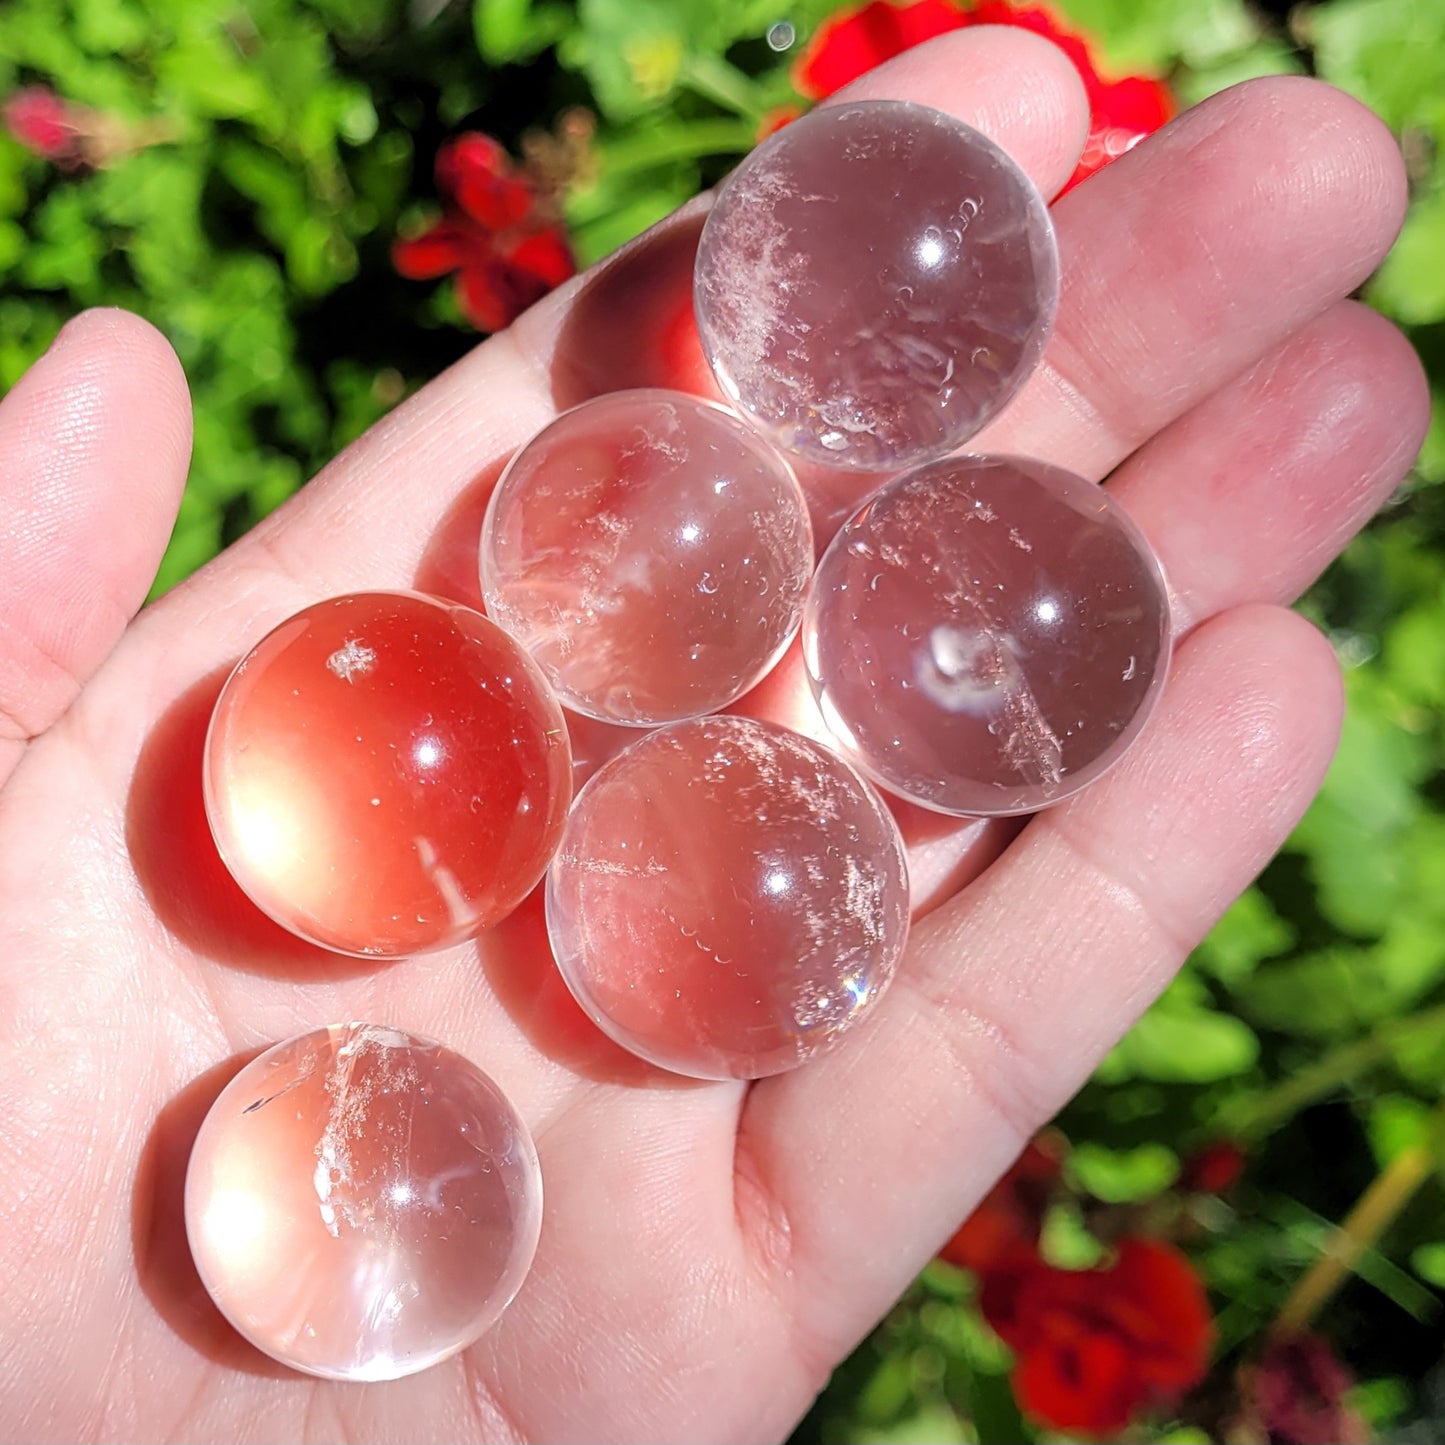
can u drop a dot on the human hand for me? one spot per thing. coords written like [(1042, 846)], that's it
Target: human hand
[(709, 1251)]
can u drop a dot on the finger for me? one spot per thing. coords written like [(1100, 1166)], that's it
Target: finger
[(1183, 263), (1303, 449), (1185, 260), (1014, 990), (95, 441), (1245, 499)]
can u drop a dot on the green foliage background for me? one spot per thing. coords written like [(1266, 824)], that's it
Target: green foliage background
[(299, 137)]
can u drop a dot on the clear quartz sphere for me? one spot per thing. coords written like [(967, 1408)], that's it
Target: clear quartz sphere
[(651, 553), (873, 283), (987, 635), (387, 773), (729, 897), (362, 1203)]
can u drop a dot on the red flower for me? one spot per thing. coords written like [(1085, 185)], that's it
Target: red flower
[(44, 124), (1214, 1169), (852, 42), (498, 233), (1004, 1229), (1096, 1347)]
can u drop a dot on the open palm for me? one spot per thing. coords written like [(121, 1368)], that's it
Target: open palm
[(709, 1251)]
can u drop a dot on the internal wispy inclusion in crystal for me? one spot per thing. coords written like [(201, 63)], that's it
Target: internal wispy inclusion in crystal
[(651, 552), (728, 898), (873, 283), (362, 1203), (987, 635)]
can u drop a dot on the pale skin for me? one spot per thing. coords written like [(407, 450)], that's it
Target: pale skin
[(709, 1251)]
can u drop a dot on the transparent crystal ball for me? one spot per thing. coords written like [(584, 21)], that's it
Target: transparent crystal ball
[(873, 283), (987, 635), (387, 773), (651, 553), (362, 1203), (729, 897)]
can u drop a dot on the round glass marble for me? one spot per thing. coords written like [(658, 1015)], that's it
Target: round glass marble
[(987, 635), (728, 899), (651, 553), (387, 773), (362, 1203), (873, 283)]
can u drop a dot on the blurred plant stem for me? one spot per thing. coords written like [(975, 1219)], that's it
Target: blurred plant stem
[(1252, 1119), (1380, 1204), (686, 141), (716, 80)]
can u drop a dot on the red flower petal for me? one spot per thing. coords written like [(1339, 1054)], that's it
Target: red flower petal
[(1000, 1302), (494, 290), (851, 43), (446, 247), (545, 257), (1134, 103), (1214, 1169), (474, 172), (1171, 1324), (775, 119), (1083, 1384), (483, 298)]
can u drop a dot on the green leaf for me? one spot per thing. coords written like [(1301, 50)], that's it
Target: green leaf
[(1335, 991), (889, 1391), (1351, 834), (934, 1424), (1154, 35), (1382, 1401), (1410, 285), (12, 244), (1066, 1242), (1415, 647), (631, 51), (1428, 1261), (14, 161), (111, 27), (618, 224), (1189, 1046), (1267, 56), (995, 1409), (1123, 1176), (206, 76), (69, 247), (637, 53), (1389, 53), (1430, 466), (1396, 1123), (1250, 931), (1419, 1057), (508, 31)]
